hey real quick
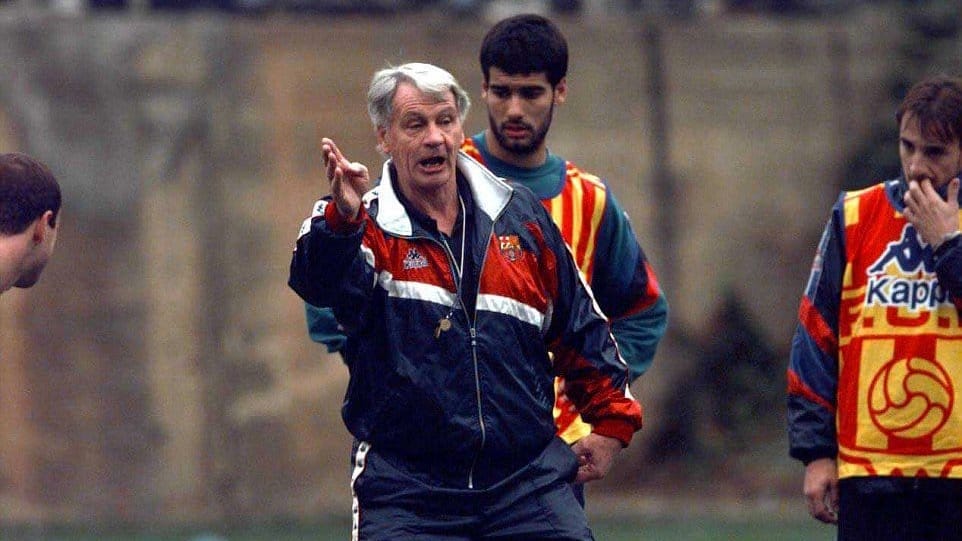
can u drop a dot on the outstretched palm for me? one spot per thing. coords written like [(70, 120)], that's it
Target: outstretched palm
[(349, 180)]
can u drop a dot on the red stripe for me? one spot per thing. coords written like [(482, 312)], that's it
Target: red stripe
[(431, 265), (566, 412), (468, 147), (864, 462), (518, 279), (798, 388), (817, 327), (587, 213), (652, 293), (949, 466), (340, 224), (608, 405)]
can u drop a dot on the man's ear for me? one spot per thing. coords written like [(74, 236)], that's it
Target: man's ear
[(382, 144), (40, 226), (561, 91)]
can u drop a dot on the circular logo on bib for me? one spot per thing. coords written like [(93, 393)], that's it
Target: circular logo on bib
[(910, 398)]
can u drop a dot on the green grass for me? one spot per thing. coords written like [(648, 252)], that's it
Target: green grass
[(636, 529), (710, 529)]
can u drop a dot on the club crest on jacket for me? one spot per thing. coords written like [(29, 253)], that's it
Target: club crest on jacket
[(510, 247)]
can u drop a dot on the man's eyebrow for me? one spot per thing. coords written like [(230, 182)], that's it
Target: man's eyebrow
[(517, 88), (410, 115)]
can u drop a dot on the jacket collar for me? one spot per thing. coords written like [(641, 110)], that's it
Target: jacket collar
[(896, 189), (490, 195)]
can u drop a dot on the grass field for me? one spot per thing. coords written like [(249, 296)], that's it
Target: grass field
[(658, 529), (705, 529)]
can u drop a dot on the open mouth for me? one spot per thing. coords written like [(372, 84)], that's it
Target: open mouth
[(433, 161)]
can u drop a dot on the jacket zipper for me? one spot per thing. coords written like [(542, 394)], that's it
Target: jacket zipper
[(474, 340), (474, 356), (472, 330)]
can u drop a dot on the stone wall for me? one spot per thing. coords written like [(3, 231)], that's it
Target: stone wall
[(161, 371)]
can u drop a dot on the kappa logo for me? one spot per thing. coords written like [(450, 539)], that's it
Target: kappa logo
[(510, 247), (907, 253), (911, 284), (414, 260)]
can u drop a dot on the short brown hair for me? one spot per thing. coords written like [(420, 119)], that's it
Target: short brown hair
[(937, 104)]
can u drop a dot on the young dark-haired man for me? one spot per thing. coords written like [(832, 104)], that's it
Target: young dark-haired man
[(524, 62)]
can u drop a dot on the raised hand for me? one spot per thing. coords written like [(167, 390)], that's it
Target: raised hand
[(349, 180), (933, 217)]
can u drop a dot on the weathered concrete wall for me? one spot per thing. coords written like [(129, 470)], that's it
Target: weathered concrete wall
[(160, 370)]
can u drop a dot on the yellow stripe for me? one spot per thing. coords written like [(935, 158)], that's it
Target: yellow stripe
[(577, 204), (596, 215), (576, 428), (588, 177), (575, 431), (848, 291), (556, 209), (579, 181), (851, 208)]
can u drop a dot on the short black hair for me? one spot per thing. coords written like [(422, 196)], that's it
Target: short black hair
[(27, 190), (525, 44)]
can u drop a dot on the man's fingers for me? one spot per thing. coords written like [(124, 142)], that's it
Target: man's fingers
[(918, 192), (338, 167), (820, 511), (586, 471), (815, 508), (953, 192), (918, 199), (926, 188), (909, 213), (911, 196), (823, 504), (329, 146), (332, 156), (331, 164), (833, 500), (584, 477), (825, 516), (337, 180), (586, 474)]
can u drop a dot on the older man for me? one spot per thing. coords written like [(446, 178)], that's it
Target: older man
[(460, 303)]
